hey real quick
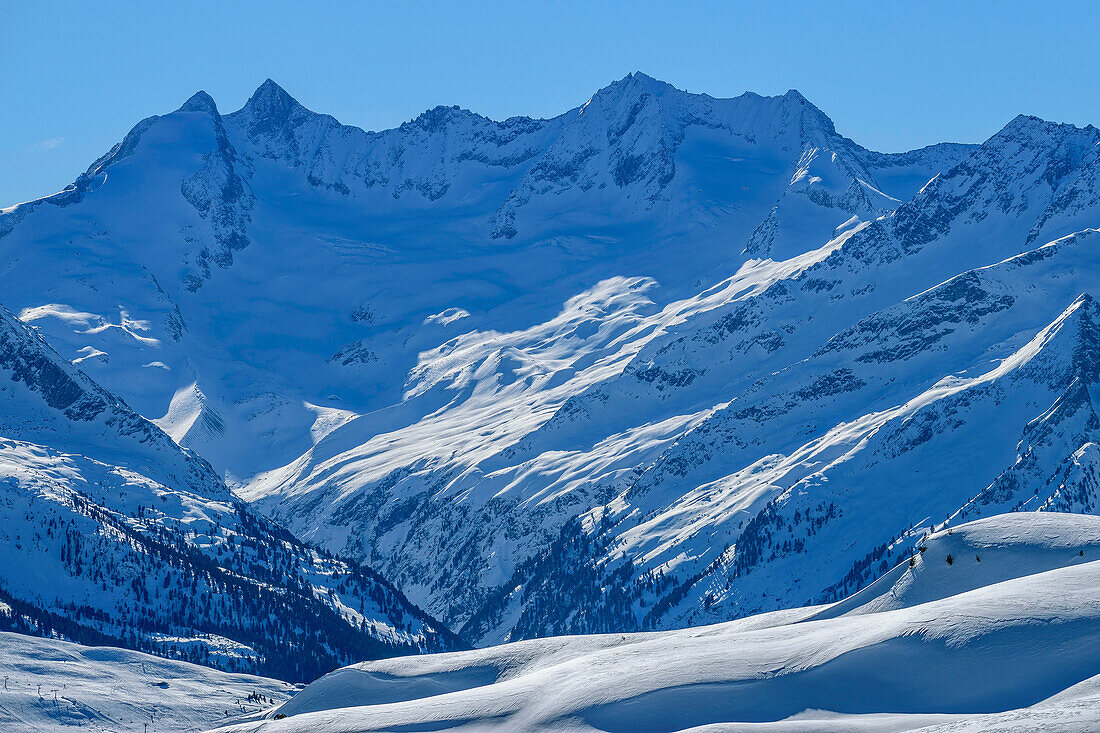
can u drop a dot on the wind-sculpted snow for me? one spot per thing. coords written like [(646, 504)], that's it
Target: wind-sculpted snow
[(939, 643), (989, 551), (46, 399), (659, 360)]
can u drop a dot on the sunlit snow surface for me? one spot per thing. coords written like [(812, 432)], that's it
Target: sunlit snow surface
[(51, 686), (1004, 637)]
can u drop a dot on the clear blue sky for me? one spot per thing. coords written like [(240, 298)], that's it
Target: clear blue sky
[(893, 76)]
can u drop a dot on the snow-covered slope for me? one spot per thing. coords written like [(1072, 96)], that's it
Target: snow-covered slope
[(48, 401), (114, 534), (50, 686), (996, 621), (663, 359)]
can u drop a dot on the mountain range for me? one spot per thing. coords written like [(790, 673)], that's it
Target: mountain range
[(659, 361)]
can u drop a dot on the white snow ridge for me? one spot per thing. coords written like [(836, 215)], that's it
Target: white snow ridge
[(667, 413)]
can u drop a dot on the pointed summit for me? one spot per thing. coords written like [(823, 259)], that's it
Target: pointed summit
[(1080, 321), (644, 83), (813, 119), (200, 101), (1088, 302), (1082, 317), (269, 108), (1026, 123), (1067, 352), (269, 95)]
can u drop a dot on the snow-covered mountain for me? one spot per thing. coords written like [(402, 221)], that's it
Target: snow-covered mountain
[(113, 534), (661, 360), (992, 625)]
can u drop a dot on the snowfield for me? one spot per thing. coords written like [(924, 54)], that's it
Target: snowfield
[(996, 625), (50, 686)]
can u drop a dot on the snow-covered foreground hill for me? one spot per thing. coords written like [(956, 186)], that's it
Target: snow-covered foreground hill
[(994, 625), (50, 686)]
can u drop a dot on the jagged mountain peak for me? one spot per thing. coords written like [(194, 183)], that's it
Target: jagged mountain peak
[(1035, 177), (440, 117), (1081, 319), (640, 77), (748, 110), (1063, 145), (628, 99), (269, 97), (1087, 303), (629, 136), (1030, 124), (811, 115), (635, 85)]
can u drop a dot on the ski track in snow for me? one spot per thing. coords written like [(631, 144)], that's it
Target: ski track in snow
[(51, 686)]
